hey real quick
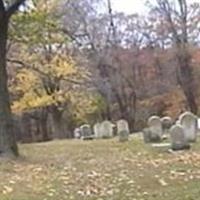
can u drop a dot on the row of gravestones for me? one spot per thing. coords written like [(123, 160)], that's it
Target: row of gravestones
[(182, 133), (104, 130)]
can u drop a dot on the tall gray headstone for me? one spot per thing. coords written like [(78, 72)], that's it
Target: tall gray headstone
[(189, 122), (106, 129), (178, 139), (155, 129), (198, 122), (198, 126), (97, 130), (166, 124), (147, 135), (123, 130)]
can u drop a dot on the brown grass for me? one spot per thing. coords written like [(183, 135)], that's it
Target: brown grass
[(100, 170)]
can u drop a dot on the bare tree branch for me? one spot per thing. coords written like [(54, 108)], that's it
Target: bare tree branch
[(31, 67)]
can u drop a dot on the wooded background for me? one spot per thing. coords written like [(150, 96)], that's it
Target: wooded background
[(73, 62)]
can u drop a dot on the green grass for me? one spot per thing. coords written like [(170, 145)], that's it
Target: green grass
[(100, 170)]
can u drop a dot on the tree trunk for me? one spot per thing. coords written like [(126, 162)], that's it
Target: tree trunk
[(43, 125), (186, 80), (59, 132), (8, 143), (26, 130), (106, 115), (188, 89), (132, 111)]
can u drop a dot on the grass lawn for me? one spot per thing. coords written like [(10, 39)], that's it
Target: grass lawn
[(100, 170)]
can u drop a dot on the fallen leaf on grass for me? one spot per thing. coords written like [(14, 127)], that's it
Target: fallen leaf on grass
[(7, 190), (163, 182)]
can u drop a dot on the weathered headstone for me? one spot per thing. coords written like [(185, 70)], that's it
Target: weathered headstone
[(198, 122), (178, 122), (147, 135), (178, 139), (123, 130), (97, 130), (154, 131), (86, 132), (77, 133), (198, 126), (189, 122), (106, 129), (166, 124)]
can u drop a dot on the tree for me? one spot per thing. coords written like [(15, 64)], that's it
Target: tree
[(8, 143), (181, 21), (47, 65), (55, 87), (46, 85)]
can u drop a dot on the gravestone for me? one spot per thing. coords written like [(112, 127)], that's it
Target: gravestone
[(86, 132), (106, 129), (154, 131), (178, 139), (166, 124), (123, 130), (178, 122), (189, 122), (198, 122), (198, 126), (97, 130), (147, 135), (77, 133)]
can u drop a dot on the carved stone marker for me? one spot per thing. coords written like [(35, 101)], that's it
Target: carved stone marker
[(97, 130), (166, 124), (178, 139), (123, 130), (154, 131), (106, 129), (189, 122), (86, 132)]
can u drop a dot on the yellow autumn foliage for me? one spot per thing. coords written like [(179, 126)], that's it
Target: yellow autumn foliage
[(26, 78), (49, 76), (84, 104), (30, 86), (60, 67)]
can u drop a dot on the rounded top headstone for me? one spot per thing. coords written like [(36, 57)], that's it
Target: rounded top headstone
[(187, 115), (85, 126), (154, 120), (166, 118), (122, 125), (177, 132), (176, 127), (86, 130), (189, 122)]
